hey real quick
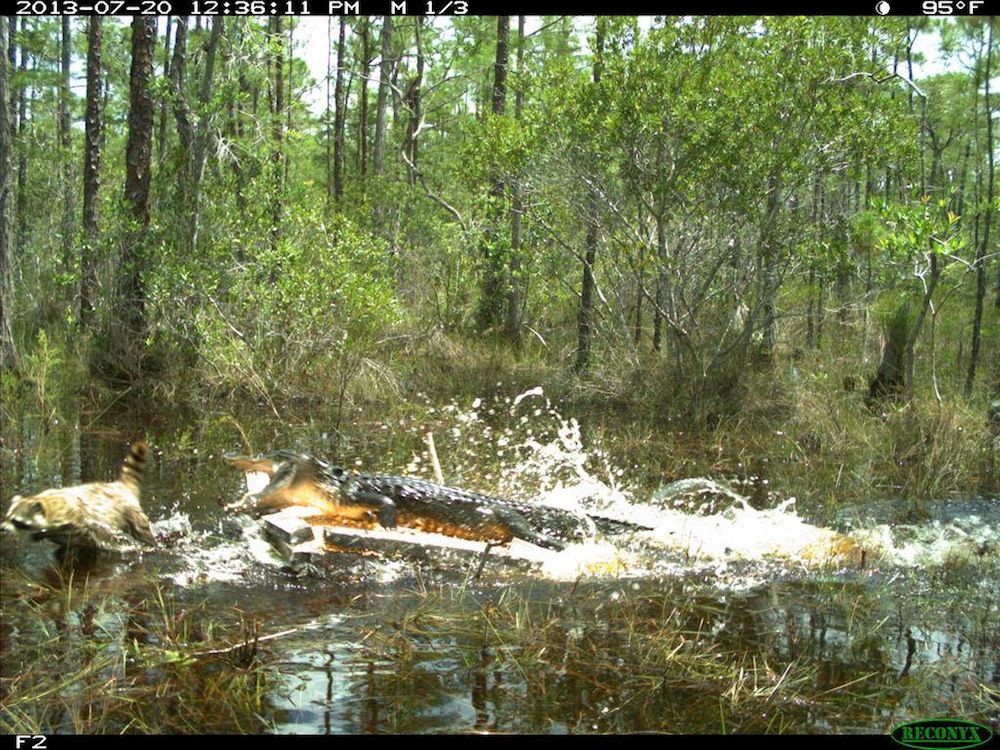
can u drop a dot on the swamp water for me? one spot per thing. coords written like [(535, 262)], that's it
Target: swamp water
[(720, 618)]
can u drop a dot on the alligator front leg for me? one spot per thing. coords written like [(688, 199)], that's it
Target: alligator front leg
[(386, 507), (520, 528)]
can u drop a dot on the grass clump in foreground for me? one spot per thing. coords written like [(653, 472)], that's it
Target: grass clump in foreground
[(97, 663), (642, 656), (668, 655)]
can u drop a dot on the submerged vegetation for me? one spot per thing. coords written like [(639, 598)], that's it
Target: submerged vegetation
[(656, 656), (100, 662)]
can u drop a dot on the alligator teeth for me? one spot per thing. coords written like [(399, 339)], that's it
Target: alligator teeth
[(256, 481)]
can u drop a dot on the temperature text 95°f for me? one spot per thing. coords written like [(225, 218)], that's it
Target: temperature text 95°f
[(951, 7)]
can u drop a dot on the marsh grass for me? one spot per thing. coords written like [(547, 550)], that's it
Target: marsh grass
[(95, 662), (625, 656), (450, 654), (788, 422), (592, 661)]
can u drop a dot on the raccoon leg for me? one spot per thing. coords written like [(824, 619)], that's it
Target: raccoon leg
[(138, 526)]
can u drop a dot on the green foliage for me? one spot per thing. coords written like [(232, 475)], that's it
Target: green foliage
[(925, 227), (53, 372), (302, 316), (498, 144)]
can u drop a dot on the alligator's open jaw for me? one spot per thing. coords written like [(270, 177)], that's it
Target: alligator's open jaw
[(256, 481), (251, 464), (257, 470)]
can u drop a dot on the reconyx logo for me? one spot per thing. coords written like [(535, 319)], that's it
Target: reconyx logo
[(946, 734)]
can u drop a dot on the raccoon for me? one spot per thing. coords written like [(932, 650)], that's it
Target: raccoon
[(99, 515)]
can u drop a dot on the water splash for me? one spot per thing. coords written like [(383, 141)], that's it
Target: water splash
[(214, 557), (970, 541), (700, 525), (694, 525)]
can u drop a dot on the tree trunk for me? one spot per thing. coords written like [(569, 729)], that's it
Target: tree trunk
[(21, 202), (105, 96), (11, 52), (512, 326), (289, 102), (278, 108), (587, 291), (65, 143), (413, 105), (8, 354), (981, 250), (593, 230), (640, 282), (810, 322), (243, 91), (500, 66), (130, 328), (363, 114), (185, 136), (91, 176), (385, 73), (340, 115), (640, 285), (328, 114), (201, 135), (182, 113), (768, 270), (492, 300), (394, 93), (161, 137), (958, 200), (820, 317), (911, 342), (890, 379), (661, 280), (140, 127), (810, 315)]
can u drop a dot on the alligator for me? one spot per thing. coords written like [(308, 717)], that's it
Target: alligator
[(364, 499)]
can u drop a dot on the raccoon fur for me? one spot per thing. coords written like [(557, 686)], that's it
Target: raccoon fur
[(98, 515)]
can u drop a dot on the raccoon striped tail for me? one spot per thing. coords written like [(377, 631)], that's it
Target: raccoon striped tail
[(134, 468)]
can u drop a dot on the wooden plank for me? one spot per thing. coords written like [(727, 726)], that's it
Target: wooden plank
[(300, 544), (416, 545)]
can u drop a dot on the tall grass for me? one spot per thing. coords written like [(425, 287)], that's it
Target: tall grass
[(92, 662)]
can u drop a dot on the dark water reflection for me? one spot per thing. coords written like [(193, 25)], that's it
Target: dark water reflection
[(399, 648)]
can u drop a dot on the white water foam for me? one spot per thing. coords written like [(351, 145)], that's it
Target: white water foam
[(933, 544), (207, 559), (560, 467), (683, 535)]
